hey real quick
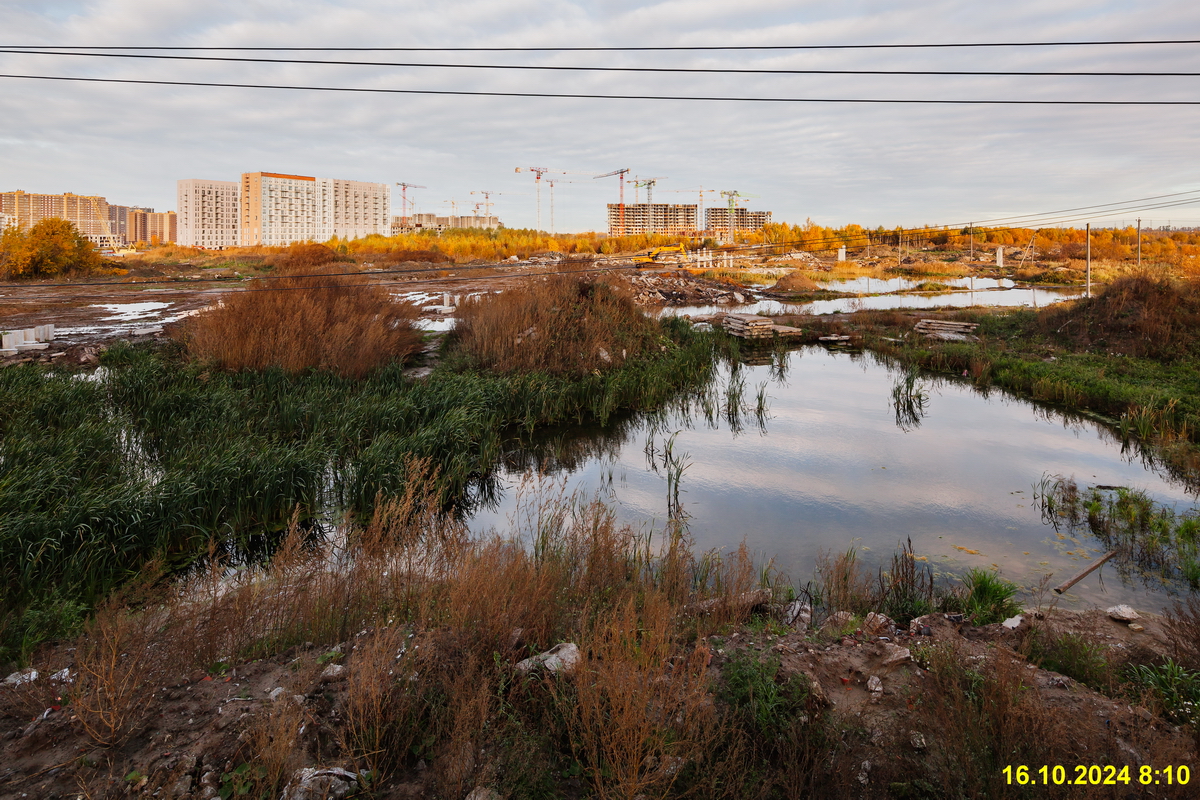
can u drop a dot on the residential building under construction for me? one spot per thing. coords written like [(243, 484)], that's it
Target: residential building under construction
[(431, 222), (89, 214), (716, 219), (652, 218)]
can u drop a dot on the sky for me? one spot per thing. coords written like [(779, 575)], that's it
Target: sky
[(872, 164)]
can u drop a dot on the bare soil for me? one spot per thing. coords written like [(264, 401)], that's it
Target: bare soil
[(199, 727)]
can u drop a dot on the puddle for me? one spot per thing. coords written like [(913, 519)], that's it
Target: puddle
[(868, 285), (833, 466), (129, 312), (1027, 298)]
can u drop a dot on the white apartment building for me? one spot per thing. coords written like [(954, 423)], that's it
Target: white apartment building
[(209, 213), (281, 209)]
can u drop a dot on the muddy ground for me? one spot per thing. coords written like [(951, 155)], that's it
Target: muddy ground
[(197, 729)]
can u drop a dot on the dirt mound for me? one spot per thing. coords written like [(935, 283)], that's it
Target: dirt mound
[(796, 282), (1136, 316)]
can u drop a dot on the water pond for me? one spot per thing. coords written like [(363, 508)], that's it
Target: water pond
[(831, 464)]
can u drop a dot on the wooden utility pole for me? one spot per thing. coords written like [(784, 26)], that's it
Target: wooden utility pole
[(1089, 259), (1139, 242)]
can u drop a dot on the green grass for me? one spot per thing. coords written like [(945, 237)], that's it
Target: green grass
[(155, 456), (1176, 688), (990, 598)]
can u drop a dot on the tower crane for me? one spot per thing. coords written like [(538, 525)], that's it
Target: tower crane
[(404, 187), (620, 173), (649, 184), (732, 196), (537, 182), (701, 191)]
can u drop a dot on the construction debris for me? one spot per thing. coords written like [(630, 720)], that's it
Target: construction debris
[(749, 326), (681, 289), (947, 330)]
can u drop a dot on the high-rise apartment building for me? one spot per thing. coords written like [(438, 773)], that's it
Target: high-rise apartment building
[(716, 219), (89, 214), (281, 209), (665, 218), (209, 213), (152, 227)]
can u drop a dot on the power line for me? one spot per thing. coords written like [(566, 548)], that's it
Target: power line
[(575, 68), (605, 49), (582, 96)]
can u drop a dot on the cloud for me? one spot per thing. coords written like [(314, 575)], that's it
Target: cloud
[(871, 164)]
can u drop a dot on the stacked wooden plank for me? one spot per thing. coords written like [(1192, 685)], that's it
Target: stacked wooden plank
[(946, 329), (749, 326)]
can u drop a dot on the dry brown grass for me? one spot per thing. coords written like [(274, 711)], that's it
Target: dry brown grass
[(640, 709), (1143, 315), (561, 325), (306, 320), (118, 667), (1183, 631)]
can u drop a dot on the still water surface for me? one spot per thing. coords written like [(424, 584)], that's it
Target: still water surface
[(831, 467)]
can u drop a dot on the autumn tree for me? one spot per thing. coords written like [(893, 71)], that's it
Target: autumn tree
[(51, 247)]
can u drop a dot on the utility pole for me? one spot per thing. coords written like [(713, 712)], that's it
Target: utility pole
[(1139, 242), (1089, 259)]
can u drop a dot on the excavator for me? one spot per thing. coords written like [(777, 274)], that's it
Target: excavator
[(653, 256)]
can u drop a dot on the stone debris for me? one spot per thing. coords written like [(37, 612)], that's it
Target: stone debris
[(681, 289), (28, 675), (894, 654), (483, 793), (1012, 623), (277, 694), (917, 740), (798, 614), (1136, 628), (878, 625), (332, 783), (1123, 613), (875, 685), (560, 658), (333, 672)]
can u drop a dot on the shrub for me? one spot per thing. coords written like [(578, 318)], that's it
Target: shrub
[(306, 320), (1073, 655), (51, 247), (563, 325)]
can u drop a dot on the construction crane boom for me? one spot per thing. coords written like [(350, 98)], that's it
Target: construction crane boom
[(404, 187), (620, 173)]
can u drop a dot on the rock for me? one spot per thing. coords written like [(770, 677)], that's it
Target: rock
[(1123, 613), (746, 601), (333, 672), (919, 625), (28, 675), (836, 620), (560, 658), (276, 694), (1136, 628), (917, 740), (797, 614), (874, 685), (1012, 623), (309, 783), (894, 654), (483, 793), (877, 624)]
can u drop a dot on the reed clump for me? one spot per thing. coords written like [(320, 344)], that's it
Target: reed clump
[(309, 318), (563, 325)]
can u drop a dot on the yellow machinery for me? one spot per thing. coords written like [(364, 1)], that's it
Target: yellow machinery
[(652, 257)]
